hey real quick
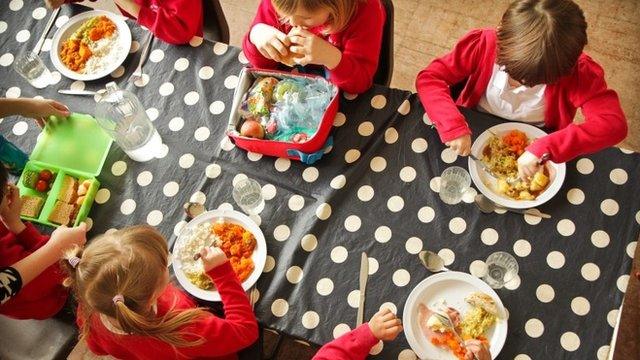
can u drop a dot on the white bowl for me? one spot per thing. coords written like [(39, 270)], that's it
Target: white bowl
[(453, 287), (259, 255), (486, 183), (63, 33)]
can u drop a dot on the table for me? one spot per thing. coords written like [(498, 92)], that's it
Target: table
[(375, 191)]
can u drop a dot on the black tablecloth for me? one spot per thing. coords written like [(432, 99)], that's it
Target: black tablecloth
[(375, 191)]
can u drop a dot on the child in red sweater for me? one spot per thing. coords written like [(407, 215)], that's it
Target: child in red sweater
[(30, 280), (172, 21), (531, 69), (343, 36), (128, 308)]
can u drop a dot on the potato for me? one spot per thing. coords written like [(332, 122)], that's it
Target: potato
[(503, 186)]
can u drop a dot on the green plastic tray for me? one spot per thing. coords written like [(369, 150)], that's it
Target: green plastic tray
[(75, 146)]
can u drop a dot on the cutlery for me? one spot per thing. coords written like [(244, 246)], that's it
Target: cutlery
[(47, 27), (364, 275), (510, 181), (77, 92), (137, 74), (487, 206), (432, 261), (444, 318)]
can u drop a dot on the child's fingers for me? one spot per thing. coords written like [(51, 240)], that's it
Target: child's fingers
[(40, 121), (272, 52), (296, 39), (304, 60), (388, 316), (392, 323), (279, 46)]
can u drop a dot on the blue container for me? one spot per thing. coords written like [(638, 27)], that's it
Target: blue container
[(11, 157)]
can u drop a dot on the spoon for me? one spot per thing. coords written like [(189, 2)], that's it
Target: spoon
[(432, 261), (487, 206)]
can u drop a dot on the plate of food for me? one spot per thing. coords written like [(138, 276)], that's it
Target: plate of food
[(236, 234), (498, 148), (471, 305), (90, 45)]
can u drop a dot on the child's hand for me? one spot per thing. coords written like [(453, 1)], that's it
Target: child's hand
[(10, 211), (272, 43), (477, 348), (461, 145), (212, 257), (40, 109), (53, 4), (63, 238), (527, 165), (313, 50), (385, 325)]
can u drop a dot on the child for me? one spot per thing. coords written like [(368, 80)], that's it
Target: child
[(343, 36), (128, 308), (530, 69), (38, 109), (172, 21), (30, 279)]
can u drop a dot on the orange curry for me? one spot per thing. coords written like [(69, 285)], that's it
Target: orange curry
[(238, 244), (75, 51)]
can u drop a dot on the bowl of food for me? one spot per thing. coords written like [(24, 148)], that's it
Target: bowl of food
[(90, 45), (236, 234), (498, 149)]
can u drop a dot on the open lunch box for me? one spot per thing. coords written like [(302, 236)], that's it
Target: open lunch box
[(308, 151), (73, 150)]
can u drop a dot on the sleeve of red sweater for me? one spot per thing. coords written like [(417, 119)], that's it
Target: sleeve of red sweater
[(354, 345), (361, 43), (433, 84), (175, 21), (604, 121), (237, 330), (266, 15), (15, 247)]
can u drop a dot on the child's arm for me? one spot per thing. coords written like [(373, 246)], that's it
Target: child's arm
[(356, 344), (265, 21), (239, 327), (604, 121), (175, 22), (32, 108), (433, 86)]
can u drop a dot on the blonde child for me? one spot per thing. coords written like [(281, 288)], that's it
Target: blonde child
[(343, 36), (530, 69), (128, 308)]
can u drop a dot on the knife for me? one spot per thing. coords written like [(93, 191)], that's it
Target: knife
[(77, 92), (364, 275), (47, 27)]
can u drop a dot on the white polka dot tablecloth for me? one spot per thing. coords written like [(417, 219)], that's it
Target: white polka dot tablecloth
[(376, 190)]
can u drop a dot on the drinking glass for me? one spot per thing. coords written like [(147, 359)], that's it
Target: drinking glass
[(31, 67), (454, 181), (502, 267), (247, 193)]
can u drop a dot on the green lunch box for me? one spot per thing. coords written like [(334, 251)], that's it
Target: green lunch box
[(75, 146)]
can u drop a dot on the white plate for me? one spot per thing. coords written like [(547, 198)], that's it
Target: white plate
[(124, 40), (453, 287), (259, 256), (487, 183)]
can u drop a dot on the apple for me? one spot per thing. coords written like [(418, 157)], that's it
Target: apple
[(252, 129)]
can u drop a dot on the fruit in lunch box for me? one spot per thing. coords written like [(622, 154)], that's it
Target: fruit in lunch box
[(61, 213), (30, 178), (42, 186), (31, 206), (80, 200), (252, 129), (84, 187), (68, 189), (299, 138), (45, 175)]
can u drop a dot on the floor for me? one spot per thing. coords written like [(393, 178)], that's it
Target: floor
[(425, 29)]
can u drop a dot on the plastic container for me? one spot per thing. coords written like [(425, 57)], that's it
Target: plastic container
[(75, 146)]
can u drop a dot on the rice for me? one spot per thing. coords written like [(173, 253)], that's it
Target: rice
[(105, 52)]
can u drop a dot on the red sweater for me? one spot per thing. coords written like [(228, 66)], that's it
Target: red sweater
[(354, 345), (44, 296), (224, 337), (359, 43), (172, 21), (473, 59)]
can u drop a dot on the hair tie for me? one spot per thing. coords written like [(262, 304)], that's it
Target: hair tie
[(118, 298), (73, 261)]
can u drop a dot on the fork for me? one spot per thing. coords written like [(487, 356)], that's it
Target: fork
[(447, 323), (137, 74)]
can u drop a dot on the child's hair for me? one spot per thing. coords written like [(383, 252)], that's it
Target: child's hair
[(340, 11), (127, 263), (540, 41)]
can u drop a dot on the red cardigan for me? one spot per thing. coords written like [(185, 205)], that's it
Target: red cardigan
[(359, 42), (172, 21), (224, 337), (44, 296), (473, 58), (354, 345)]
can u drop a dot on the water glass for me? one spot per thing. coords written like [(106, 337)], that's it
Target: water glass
[(454, 181), (31, 67), (502, 267), (247, 193)]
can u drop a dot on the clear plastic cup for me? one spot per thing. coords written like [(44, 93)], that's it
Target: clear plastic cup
[(454, 181), (247, 193), (502, 267), (31, 67)]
